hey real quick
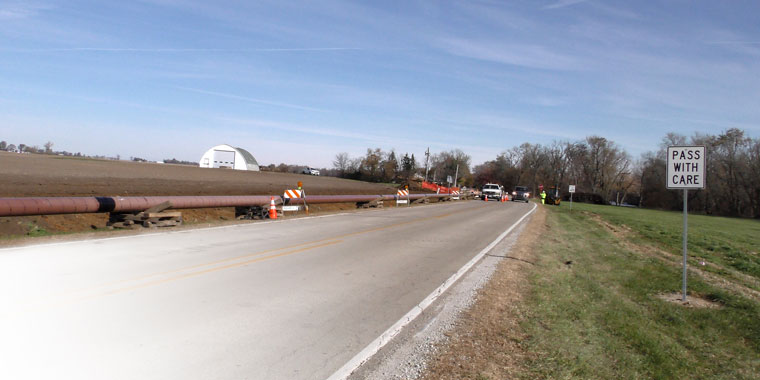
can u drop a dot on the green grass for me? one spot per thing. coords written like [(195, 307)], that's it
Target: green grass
[(35, 230), (599, 318), (727, 242)]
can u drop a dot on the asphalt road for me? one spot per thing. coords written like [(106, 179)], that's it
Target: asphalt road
[(288, 299)]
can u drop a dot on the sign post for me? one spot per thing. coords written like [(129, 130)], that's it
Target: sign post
[(303, 195), (686, 170), (571, 190), (456, 176)]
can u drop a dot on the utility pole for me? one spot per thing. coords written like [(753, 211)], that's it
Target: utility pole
[(427, 163), (456, 174)]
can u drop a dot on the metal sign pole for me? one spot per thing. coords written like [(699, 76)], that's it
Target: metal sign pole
[(427, 163), (305, 206), (685, 235), (686, 170), (456, 176), (571, 189)]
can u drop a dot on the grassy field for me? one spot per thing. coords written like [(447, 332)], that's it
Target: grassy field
[(594, 307)]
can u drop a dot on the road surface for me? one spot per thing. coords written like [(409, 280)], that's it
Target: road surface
[(288, 299)]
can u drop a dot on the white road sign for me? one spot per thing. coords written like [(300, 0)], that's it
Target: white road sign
[(686, 167), (572, 188)]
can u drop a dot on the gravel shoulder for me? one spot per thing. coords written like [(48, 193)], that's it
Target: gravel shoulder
[(472, 331)]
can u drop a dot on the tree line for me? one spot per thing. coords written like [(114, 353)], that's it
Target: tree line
[(733, 175), (23, 148), (389, 167), (601, 170)]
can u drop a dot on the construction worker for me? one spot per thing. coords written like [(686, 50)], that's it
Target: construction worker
[(543, 196)]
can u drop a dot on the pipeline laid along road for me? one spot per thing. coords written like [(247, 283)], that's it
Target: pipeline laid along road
[(294, 299)]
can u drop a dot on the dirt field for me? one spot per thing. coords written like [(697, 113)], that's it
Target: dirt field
[(34, 175)]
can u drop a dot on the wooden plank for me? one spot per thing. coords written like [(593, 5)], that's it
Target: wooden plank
[(159, 207), (175, 214)]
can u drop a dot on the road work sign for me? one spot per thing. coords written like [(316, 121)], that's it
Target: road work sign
[(686, 167)]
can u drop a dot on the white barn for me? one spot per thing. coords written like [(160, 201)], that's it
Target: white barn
[(227, 156)]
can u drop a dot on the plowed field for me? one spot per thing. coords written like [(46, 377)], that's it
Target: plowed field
[(33, 175)]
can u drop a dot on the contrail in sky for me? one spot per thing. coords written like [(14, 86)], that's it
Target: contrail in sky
[(178, 50), (247, 99)]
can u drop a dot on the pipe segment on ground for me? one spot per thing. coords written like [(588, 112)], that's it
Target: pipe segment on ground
[(83, 205)]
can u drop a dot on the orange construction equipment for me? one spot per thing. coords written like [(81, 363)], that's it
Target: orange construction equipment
[(272, 209)]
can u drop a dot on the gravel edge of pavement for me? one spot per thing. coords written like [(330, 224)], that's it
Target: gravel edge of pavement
[(407, 355)]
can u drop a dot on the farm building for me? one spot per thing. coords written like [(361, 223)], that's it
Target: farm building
[(226, 156)]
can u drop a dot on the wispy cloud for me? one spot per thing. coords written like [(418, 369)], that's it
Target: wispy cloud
[(353, 134), (525, 55), (734, 42), (478, 122), (14, 10), (177, 50), (564, 3), (249, 99)]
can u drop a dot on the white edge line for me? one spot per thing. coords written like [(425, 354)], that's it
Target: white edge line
[(375, 346)]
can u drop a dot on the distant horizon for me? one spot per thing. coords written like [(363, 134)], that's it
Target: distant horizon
[(419, 161)]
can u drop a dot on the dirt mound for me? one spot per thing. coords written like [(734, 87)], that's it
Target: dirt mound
[(692, 300), (33, 175)]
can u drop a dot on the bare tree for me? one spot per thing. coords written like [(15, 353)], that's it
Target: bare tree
[(341, 163), (48, 147)]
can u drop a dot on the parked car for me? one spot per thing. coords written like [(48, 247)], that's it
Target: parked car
[(521, 193)]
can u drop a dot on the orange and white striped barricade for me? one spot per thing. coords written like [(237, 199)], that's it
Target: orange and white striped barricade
[(290, 194), (402, 193), (455, 195)]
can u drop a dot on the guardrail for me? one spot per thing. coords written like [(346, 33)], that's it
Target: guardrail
[(83, 205)]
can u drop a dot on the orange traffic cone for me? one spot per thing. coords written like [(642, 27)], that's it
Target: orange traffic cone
[(485, 197), (272, 209)]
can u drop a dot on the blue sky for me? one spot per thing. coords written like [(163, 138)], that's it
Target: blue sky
[(298, 82)]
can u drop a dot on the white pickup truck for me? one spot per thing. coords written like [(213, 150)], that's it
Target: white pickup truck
[(310, 171), (492, 191)]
